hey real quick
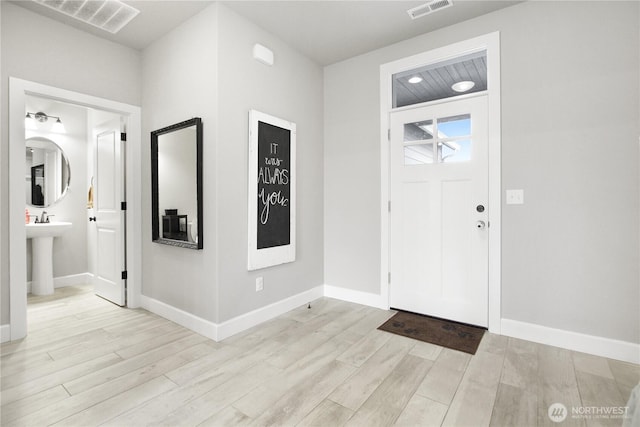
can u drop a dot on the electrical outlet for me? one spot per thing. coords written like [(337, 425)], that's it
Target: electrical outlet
[(259, 284)]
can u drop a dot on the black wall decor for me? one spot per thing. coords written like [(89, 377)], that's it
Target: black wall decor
[(272, 144), (274, 186)]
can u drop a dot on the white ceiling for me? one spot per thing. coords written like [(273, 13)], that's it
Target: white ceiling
[(331, 31), (326, 31), (156, 18)]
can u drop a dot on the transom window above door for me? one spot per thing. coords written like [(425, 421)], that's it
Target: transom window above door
[(441, 140), (462, 75)]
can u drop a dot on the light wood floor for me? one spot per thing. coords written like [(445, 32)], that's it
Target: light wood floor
[(87, 362)]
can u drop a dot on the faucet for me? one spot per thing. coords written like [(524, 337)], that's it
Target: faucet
[(43, 217)]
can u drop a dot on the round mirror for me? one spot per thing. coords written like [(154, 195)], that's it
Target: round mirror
[(47, 172)]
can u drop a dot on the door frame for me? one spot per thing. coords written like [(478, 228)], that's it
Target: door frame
[(490, 43), (18, 90)]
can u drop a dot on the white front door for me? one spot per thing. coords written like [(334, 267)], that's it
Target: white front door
[(439, 210), (108, 215)]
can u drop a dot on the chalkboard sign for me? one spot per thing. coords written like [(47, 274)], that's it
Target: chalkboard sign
[(271, 191), (274, 166)]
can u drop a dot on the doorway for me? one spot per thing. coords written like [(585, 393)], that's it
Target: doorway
[(489, 314), (439, 188), (18, 92)]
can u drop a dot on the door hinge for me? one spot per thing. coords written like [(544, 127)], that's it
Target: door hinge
[(123, 137), (389, 205), (389, 278), (124, 275), (123, 206), (388, 134)]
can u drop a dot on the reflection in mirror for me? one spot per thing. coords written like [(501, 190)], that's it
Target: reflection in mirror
[(176, 180), (47, 172)]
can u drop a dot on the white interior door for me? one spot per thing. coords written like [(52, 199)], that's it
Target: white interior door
[(439, 216), (108, 216)]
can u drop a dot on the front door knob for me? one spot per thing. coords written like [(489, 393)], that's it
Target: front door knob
[(480, 225)]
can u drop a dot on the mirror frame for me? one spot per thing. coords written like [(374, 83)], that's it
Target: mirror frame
[(155, 208)]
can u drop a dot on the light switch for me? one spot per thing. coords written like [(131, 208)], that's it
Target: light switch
[(515, 197)]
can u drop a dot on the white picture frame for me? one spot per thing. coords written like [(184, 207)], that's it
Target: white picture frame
[(271, 191)]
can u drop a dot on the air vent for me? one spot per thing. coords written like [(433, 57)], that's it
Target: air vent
[(427, 8), (108, 15)]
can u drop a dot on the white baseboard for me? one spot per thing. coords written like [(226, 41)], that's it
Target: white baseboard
[(357, 297), (73, 280), (70, 280), (181, 317), (5, 333), (220, 331), (260, 315), (599, 346)]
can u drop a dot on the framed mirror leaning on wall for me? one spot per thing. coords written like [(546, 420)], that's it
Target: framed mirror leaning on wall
[(176, 184)]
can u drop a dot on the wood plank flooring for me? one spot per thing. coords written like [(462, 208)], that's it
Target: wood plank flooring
[(87, 362)]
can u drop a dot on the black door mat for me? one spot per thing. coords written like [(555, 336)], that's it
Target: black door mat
[(445, 333)]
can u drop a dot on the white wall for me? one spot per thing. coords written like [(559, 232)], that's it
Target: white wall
[(179, 75), (292, 90), (70, 249), (42, 50), (570, 126), (179, 80), (214, 47)]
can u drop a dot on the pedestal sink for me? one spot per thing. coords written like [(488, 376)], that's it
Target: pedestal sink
[(41, 236)]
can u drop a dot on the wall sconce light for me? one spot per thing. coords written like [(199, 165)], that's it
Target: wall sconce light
[(41, 117)]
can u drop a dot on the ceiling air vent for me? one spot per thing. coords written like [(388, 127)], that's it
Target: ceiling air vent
[(108, 15), (427, 8)]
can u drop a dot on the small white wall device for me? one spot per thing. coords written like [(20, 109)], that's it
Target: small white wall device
[(262, 54)]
